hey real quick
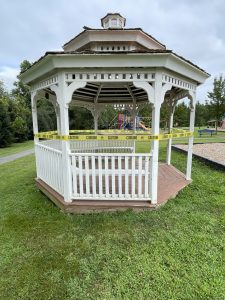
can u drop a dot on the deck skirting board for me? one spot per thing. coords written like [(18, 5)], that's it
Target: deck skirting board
[(171, 181)]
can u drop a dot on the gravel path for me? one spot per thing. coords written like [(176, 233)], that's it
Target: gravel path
[(6, 159), (211, 151)]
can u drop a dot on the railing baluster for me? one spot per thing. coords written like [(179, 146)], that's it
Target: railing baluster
[(120, 176), (100, 175), (106, 176), (93, 176), (87, 181), (126, 176), (81, 175), (139, 176), (146, 194), (74, 174), (113, 177), (133, 177)]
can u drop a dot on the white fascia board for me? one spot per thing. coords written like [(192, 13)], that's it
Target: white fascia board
[(147, 41), (180, 66), (50, 63), (113, 36), (40, 69), (99, 36), (110, 61)]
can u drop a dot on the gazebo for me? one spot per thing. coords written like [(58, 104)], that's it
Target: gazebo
[(124, 68)]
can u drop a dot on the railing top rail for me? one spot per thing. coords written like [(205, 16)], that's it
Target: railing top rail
[(48, 148), (112, 154)]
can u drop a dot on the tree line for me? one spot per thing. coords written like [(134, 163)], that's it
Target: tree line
[(16, 117)]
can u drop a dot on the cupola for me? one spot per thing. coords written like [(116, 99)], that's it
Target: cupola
[(114, 21)]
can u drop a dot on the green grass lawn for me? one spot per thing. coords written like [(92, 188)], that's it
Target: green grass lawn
[(176, 252), (16, 147)]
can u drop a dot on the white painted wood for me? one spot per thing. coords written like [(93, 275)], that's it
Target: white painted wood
[(113, 177), (100, 176), (147, 177), (127, 177), (169, 142), (80, 166), (120, 176), (87, 174), (133, 176), (96, 124), (102, 146), (190, 144), (93, 157), (140, 176), (157, 100), (74, 175), (49, 165), (106, 158)]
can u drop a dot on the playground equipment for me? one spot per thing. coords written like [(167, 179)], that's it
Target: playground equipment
[(124, 121)]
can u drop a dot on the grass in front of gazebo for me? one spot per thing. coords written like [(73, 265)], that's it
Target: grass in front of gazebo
[(176, 252), (16, 148)]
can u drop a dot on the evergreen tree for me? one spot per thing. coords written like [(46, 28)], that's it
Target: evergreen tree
[(217, 98), (6, 136)]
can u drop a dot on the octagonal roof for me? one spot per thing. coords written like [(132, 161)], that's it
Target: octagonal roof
[(113, 47)]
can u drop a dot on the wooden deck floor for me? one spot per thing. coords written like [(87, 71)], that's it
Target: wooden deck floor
[(171, 181)]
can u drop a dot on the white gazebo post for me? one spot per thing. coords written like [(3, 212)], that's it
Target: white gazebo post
[(66, 166), (156, 95), (95, 115), (34, 115), (192, 97), (57, 112), (155, 151), (158, 99), (169, 143), (62, 95)]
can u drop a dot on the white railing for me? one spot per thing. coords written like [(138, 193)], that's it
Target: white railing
[(93, 146), (111, 176), (49, 166), (55, 144), (102, 146)]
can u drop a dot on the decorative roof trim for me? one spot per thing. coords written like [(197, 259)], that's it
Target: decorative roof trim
[(89, 52), (114, 29)]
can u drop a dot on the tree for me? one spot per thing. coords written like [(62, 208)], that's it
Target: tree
[(21, 94), (217, 98), (46, 115), (80, 118), (201, 114), (5, 124), (181, 115), (22, 90)]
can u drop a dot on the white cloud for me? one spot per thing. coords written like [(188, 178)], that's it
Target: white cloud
[(8, 76)]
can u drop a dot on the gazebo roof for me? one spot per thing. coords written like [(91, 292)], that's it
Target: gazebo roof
[(117, 33), (127, 48)]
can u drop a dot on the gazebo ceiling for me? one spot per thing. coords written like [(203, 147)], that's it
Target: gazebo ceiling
[(112, 93)]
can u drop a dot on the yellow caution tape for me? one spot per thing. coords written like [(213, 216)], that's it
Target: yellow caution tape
[(109, 137)]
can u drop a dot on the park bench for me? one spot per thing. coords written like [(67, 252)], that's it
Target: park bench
[(206, 131)]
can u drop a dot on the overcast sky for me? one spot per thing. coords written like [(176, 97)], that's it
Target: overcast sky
[(194, 29)]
